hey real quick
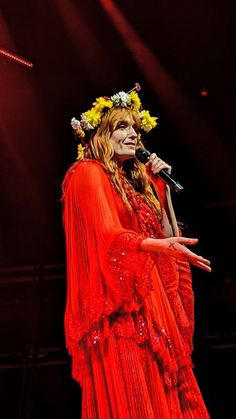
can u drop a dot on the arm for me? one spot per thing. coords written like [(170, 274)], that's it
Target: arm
[(169, 223)]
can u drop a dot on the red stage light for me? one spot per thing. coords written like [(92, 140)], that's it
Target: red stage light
[(204, 93), (16, 58)]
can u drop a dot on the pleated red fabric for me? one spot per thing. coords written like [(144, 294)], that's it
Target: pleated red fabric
[(129, 314)]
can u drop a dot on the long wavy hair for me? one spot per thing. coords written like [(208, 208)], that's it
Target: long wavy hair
[(135, 173)]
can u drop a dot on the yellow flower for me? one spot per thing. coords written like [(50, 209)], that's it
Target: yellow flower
[(93, 117), (148, 121), (102, 103), (135, 101), (80, 150), (80, 133)]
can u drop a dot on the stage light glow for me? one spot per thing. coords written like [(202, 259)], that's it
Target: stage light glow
[(16, 58), (197, 135), (204, 93)]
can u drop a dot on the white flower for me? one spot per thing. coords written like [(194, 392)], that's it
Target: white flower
[(75, 124), (84, 123), (121, 99)]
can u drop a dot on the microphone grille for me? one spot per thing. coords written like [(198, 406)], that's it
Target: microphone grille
[(142, 155)]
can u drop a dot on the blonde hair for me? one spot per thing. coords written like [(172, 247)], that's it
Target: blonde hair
[(101, 149)]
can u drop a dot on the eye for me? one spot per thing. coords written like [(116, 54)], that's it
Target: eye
[(121, 125)]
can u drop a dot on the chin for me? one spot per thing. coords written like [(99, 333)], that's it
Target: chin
[(123, 157), (129, 156)]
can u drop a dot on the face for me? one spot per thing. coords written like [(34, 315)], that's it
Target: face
[(124, 139)]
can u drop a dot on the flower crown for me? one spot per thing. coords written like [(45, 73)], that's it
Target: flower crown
[(91, 119)]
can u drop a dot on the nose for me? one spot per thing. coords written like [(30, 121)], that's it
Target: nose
[(132, 133)]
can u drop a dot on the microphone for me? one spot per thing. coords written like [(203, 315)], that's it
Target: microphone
[(143, 156)]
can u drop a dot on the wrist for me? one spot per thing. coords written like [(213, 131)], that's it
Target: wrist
[(150, 245)]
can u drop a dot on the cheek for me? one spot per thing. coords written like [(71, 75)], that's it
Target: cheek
[(117, 140)]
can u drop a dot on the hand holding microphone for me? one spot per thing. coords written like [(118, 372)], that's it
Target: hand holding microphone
[(159, 168)]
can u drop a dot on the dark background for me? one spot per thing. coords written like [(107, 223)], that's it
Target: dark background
[(176, 51)]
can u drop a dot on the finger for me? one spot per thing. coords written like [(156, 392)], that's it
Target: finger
[(154, 168), (186, 240), (169, 168), (164, 166), (201, 259), (202, 265), (191, 256), (194, 257), (158, 165), (156, 161), (153, 157), (196, 262)]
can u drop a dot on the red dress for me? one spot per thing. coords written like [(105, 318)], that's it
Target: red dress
[(129, 314)]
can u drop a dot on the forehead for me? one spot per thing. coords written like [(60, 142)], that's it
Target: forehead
[(126, 116), (123, 114)]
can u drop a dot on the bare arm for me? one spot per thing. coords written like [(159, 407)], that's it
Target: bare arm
[(169, 223)]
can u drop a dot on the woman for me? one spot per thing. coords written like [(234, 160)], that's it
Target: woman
[(129, 313)]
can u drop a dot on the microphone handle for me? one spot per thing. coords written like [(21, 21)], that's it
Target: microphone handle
[(143, 156), (164, 175)]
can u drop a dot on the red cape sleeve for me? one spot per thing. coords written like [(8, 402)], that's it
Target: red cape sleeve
[(106, 272)]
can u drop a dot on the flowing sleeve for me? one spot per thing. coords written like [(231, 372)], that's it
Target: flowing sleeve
[(177, 281), (106, 271), (186, 294)]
